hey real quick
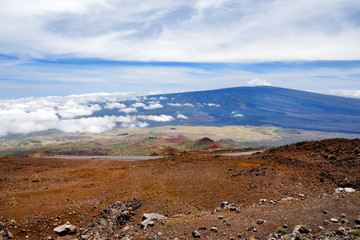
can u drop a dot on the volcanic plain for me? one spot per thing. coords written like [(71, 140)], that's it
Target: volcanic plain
[(264, 195)]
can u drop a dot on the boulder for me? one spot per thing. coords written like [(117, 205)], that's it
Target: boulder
[(66, 229), (149, 219), (195, 234), (301, 229), (349, 190)]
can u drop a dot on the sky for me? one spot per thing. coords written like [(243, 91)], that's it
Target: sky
[(60, 59), (60, 48)]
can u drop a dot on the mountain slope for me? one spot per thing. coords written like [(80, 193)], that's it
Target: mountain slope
[(275, 106), (250, 106)]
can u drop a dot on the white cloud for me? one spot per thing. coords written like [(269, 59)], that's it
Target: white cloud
[(182, 30), (180, 105), (258, 82), (138, 104), (213, 105), (181, 116), (341, 93), (154, 106), (150, 106), (112, 105), (175, 104), (91, 125), (161, 118), (70, 114), (128, 110), (71, 110), (238, 115), (188, 105)]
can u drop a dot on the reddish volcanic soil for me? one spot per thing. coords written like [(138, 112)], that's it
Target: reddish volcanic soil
[(42, 193)]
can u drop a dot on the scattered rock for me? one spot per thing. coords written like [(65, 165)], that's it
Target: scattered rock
[(4, 228), (260, 221), (349, 190), (216, 210), (202, 214), (287, 199), (345, 221), (151, 237), (334, 220), (66, 229), (214, 229), (232, 208), (339, 190), (196, 234), (110, 221), (341, 231), (226, 204), (262, 201), (150, 224), (301, 229), (149, 219)]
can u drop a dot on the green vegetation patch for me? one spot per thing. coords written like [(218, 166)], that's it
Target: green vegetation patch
[(281, 230)]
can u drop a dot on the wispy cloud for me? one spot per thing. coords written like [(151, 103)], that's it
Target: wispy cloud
[(342, 93), (258, 82), (74, 47), (182, 30)]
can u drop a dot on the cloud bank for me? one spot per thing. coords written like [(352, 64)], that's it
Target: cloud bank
[(74, 114)]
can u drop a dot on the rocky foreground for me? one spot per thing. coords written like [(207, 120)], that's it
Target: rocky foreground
[(308, 190)]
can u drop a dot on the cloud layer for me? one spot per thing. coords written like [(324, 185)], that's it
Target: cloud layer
[(202, 31), (74, 113)]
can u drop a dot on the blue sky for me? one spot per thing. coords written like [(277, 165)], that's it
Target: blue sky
[(50, 47)]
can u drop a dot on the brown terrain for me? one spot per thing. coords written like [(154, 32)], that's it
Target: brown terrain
[(268, 194)]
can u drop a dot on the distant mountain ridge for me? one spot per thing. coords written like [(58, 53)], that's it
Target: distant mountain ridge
[(256, 106)]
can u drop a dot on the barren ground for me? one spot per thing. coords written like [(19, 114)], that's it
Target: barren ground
[(42, 193)]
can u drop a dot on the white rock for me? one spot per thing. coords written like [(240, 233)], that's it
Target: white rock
[(66, 229), (349, 190), (153, 216), (149, 218), (339, 190), (287, 199)]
